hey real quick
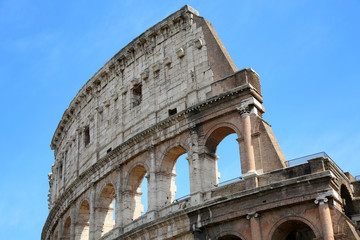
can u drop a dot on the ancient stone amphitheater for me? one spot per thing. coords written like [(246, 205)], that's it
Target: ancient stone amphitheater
[(175, 90)]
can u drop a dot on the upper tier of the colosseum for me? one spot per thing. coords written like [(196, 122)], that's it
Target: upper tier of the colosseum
[(164, 71)]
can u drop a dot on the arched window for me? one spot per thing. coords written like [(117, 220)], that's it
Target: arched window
[(182, 178), (83, 221), (167, 176), (133, 208), (222, 144), (228, 162), (293, 230), (348, 206), (144, 196), (66, 230), (105, 210)]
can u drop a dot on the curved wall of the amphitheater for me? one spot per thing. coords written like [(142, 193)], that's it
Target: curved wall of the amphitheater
[(172, 90), (167, 69)]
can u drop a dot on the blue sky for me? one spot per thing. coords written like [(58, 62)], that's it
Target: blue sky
[(307, 54)]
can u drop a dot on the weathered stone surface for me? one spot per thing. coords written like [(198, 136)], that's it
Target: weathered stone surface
[(175, 90)]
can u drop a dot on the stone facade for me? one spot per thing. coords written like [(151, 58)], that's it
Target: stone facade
[(175, 90)]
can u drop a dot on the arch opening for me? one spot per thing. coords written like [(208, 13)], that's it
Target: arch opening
[(222, 156), (133, 208), (66, 230), (144, 196), (182, 178), (168, 190), (83, 222), (293, 230), (228, 162), (347, 202), (105, 210)]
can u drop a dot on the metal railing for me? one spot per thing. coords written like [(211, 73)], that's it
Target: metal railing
[(304, 159), (181, 198), (357, 178), (228, 181), (301, 160)]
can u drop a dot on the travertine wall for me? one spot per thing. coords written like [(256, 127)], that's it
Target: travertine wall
[(172, 90), (168, 67)]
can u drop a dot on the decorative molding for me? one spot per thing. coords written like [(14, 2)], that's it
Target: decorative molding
[(199, 43), (167, 61), (180, 52), (252, 215), (321, 200)]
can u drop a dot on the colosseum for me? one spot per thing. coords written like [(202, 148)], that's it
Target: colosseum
[(174, 90)]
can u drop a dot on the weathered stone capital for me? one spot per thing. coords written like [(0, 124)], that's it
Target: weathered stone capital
[(151, 148), (250, 106), (193, 129), (252, 215), (321, 200), (244, 111)]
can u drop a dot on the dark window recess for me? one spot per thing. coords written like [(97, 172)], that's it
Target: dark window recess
[(172, 111), (60, 170), (86, 136), (109, 150), (137, 95)]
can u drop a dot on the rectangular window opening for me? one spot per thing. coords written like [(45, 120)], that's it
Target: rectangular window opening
[(172, 111), (137, 95), (86, 136)]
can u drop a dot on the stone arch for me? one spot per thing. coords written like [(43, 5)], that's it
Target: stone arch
[(66, 229), (290, 228), (102, 184), (169, 147), (217, 133), (83, 221), (211, 141), (132, 194), (230, 235), (347, 203), (105, 210), (166, 175), (130, 171)]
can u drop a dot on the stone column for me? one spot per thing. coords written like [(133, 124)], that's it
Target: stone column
[(152, 184), (61, 227), (79, 135), (325, 218), (196, 181), (73, 220), (254, 226), (244, 112), (118, 198), (92, 229), (97, 130)]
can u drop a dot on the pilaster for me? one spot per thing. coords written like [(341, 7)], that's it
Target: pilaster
[(196, 181), (92, 212), (254, 226), (325, 218), (118, 199), (249, 106)]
